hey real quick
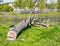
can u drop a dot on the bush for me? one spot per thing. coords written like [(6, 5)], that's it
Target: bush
[(5, 8)]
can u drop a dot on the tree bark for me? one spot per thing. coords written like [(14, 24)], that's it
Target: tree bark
[(12, 34)]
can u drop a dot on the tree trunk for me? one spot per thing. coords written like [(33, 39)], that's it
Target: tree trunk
[(12, 34)]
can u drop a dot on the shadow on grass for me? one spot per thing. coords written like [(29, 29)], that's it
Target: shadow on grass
[(23, 30)]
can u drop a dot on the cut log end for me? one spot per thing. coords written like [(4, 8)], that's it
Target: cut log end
[(11, 35)]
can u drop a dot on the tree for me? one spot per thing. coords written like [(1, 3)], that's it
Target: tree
[(18, 3), (5, 8), (23, 3), (29, 3), (42, 4), (58, 5), (52, 5)]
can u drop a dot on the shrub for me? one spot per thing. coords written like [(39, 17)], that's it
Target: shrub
[(5, 8)]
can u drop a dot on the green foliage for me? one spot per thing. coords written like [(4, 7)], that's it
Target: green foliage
[(29, 3), (23, 3), (58, 5), (18, 3), (42, 4), (5, 8), (1, 7), (52, 6)]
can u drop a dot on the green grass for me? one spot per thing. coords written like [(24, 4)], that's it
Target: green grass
[(32, 36)]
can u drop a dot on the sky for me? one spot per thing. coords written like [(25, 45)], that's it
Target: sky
[(48, 1), (8, 1)]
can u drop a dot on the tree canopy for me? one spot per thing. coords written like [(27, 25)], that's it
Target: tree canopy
[(29, 3)]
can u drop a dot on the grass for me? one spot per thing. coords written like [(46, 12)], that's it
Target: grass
[(32, 36)]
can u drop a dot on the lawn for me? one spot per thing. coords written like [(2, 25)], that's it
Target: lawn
[(32, 36)]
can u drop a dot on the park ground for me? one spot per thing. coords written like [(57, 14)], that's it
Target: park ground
[(32, 36)]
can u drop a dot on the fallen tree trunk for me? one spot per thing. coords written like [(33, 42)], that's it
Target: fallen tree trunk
[(12, 34)]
